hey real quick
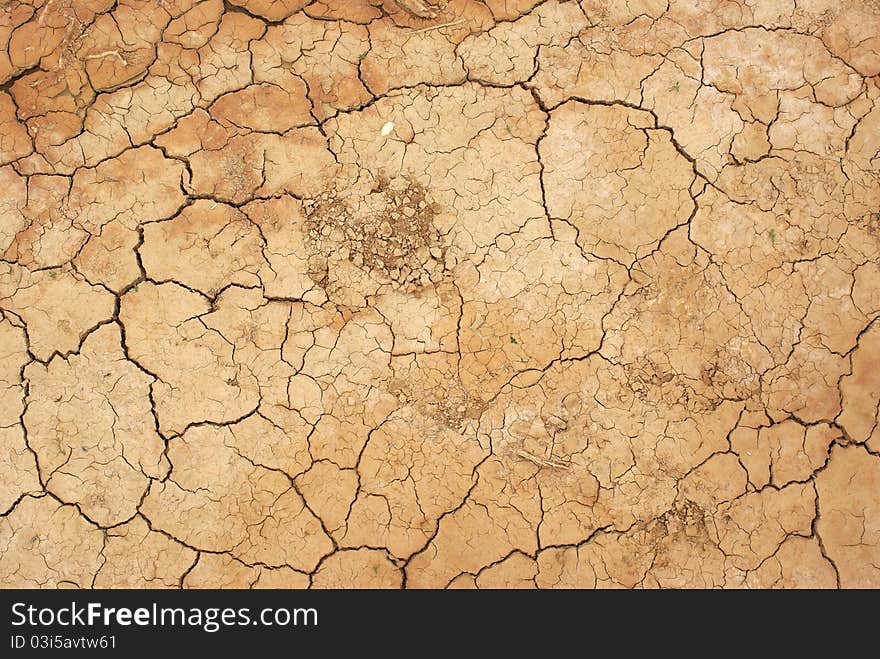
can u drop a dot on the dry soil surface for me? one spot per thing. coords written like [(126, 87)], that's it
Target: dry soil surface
[(499, 293)]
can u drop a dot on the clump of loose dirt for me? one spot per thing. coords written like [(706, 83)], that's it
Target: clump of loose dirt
[(723, 377), (418, 8), (450, 406), (871, 223), (389, 231), (455, 410)]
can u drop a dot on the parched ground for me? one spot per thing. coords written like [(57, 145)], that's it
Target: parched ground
[(382, 293)]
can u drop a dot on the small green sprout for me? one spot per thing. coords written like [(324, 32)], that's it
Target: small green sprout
[(676, 86), (514, 341), (135, 288), (773, 236), (51, 274)]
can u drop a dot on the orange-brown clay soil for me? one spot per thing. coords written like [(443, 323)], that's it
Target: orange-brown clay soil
[(498, 293)]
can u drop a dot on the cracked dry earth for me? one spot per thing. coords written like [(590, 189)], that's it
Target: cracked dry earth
[(499, 293)]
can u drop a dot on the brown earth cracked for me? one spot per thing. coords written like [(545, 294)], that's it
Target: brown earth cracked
[(412, 293)]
